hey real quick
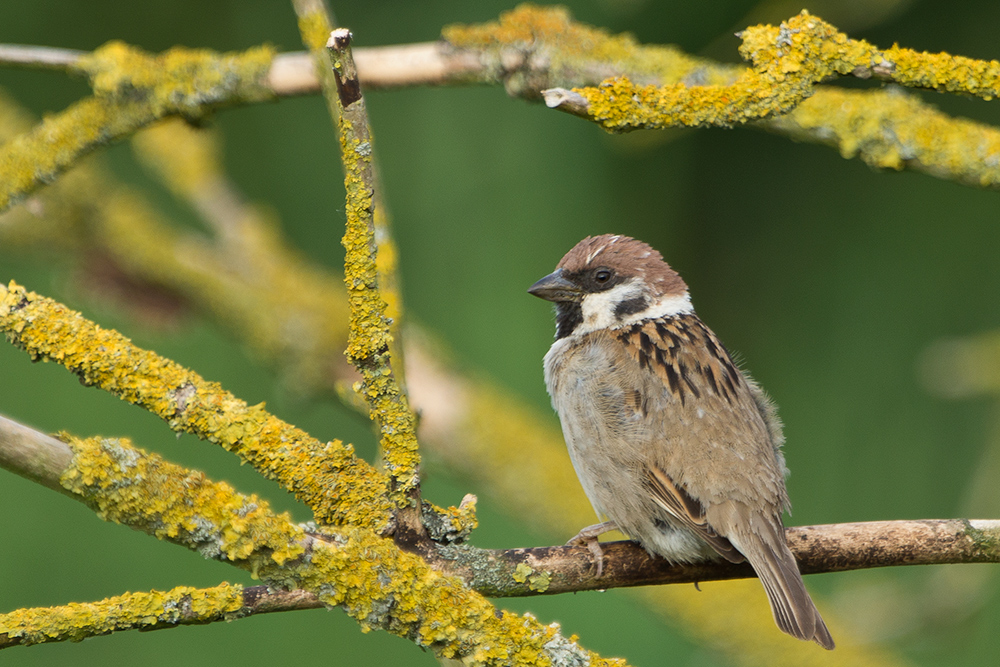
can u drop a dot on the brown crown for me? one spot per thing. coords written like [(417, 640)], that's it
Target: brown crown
[(628, 258)]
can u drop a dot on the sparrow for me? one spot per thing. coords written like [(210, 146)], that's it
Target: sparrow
[(673, 444)]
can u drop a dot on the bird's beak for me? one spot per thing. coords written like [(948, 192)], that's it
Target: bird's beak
[(554, 287)]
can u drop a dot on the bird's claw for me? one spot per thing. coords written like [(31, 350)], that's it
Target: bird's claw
[(588, 537)]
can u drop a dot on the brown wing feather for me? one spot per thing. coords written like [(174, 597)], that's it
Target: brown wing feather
[(689, 512), (719, 426)]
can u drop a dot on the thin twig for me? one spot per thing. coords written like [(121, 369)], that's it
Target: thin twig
[(40, 57)]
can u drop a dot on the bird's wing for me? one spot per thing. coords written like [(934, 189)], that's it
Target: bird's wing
[(689, 512), (717, 436)]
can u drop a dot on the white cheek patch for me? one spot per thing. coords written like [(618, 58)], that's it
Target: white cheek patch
[(598, 309), (665, 306)]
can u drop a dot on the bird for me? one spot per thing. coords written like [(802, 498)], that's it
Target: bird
[(674, 445)]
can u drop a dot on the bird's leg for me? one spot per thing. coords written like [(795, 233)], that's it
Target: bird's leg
[(588, 537)]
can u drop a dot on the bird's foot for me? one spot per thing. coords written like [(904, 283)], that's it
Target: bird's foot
[(588, 537)]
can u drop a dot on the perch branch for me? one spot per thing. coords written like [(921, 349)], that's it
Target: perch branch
[(368, 576), (493, 572)]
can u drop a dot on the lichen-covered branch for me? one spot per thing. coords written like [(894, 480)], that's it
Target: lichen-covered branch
[(369, 337), (787, 63), (154, 610), (369, 576), (128, 486), (493, 572), (125, 485), (335, 484), (315, 25), (131, 90), (532, 49)]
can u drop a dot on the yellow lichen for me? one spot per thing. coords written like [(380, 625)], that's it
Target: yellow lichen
[(126, 485), (369, 338), (339, 487), (521, 573), (145, 611), (180, 80), (787, 63), (573, 51), (890, 129), (540, 581), (369, 576), (132, 89)]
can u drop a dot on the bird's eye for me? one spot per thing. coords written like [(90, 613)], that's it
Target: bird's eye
[(602, 275)]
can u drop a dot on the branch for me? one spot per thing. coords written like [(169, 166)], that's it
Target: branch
[(33, 455), (819, 549), (786, 64), (132, 89), (316, 23), (530, 50), (495, 572), (369, 576), (337, 486), (368, 340)]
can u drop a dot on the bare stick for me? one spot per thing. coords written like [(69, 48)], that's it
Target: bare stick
[(39, 457)]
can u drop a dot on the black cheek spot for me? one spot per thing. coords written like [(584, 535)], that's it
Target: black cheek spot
[(630, 307)]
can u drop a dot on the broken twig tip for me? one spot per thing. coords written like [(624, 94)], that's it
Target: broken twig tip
[(565, 99), (339, 39)]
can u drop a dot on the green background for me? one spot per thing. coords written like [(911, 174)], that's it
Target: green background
[(829, 278)]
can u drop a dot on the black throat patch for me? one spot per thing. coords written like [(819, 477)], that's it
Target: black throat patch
[(569, 315)]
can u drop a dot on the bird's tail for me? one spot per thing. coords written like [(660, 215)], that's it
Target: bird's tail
[(793, 609)]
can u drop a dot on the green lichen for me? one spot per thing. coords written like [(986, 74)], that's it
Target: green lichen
[(339, 487), (985, 541)]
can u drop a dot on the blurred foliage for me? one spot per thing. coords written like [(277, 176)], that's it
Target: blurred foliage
[(830, 280)]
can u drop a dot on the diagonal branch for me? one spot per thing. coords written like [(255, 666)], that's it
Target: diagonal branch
[(132, 89), (371, 578), (328, 477)]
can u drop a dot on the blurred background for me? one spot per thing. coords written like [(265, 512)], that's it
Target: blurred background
[(856, 297)]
